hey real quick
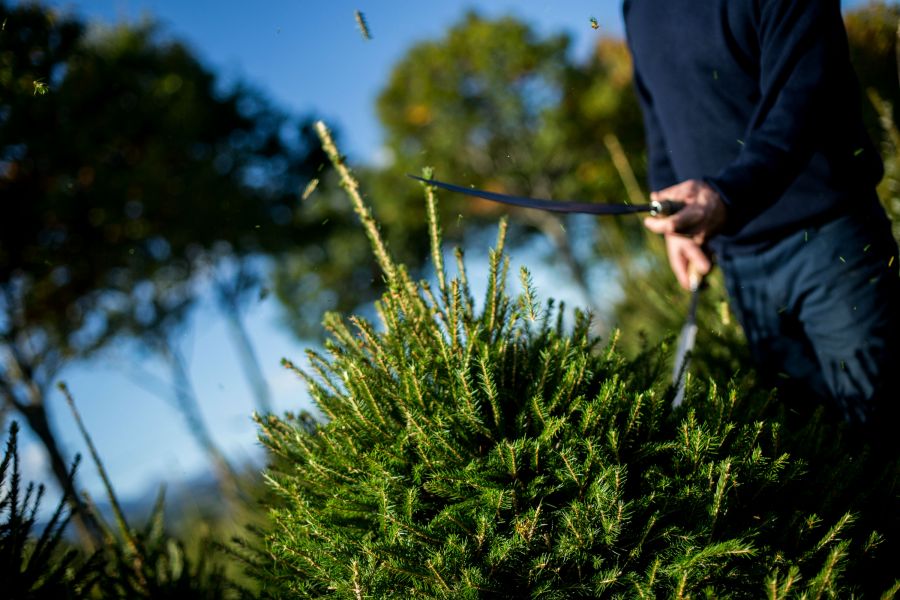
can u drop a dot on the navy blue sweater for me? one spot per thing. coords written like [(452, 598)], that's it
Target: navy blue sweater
[(758, 98)]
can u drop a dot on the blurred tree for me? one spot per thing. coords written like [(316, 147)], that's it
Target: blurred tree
[(132, 176), (494, 105), (476, 105), (472, 105), (872, 31)]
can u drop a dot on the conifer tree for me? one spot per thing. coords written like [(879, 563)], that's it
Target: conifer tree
[(494, 449)]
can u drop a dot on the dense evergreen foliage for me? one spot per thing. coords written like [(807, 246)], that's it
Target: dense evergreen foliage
[(493, 449)]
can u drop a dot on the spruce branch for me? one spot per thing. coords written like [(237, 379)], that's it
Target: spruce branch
[(351, 185), (434, 234)]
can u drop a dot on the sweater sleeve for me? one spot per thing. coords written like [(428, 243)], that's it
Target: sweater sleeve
[(660, 172), (801, 43)]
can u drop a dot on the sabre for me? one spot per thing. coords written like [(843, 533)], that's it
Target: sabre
[(656, 208)]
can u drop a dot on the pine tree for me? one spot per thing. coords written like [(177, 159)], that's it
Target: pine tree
[(493, 449)]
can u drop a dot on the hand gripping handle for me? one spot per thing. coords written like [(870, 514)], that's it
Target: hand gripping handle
[(664, 208)]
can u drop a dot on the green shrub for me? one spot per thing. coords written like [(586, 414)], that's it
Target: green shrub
[(132, 563), (493, 451), (34, 567)]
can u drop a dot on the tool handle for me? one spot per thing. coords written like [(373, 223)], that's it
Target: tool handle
[(695, 278), (664, 208)]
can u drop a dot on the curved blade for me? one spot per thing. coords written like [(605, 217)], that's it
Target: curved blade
[(551, 205)]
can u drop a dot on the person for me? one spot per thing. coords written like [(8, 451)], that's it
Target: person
[(753, 118)]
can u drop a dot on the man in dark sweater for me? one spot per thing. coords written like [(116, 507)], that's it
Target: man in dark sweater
[(752, 114)]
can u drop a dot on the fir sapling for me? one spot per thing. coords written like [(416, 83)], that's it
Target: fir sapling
[(493, 452)]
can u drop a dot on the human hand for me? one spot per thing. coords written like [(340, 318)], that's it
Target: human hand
[(702, 217), (688, 260)]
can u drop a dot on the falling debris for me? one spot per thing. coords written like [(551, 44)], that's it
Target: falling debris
[(594, 23), (40, 88), (310, 188), (4, 24), (363, 26)]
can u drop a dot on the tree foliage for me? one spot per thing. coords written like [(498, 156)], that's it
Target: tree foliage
[(495, 105), (872, 31), (491, 451), (124, 185), (128, 171), (461, 460), (474, 104)]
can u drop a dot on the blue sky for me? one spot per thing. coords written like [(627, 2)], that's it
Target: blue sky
[(309, 57)]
